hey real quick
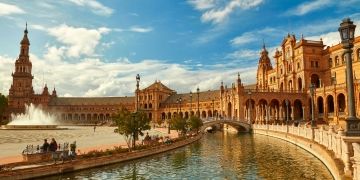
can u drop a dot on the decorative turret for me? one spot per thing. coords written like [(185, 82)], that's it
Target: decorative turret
[(263, 66), (54, 93), (45, 91)]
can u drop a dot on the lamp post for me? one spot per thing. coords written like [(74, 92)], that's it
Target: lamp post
[(137, 91), (347, 32), (287, 115), (177, 105), (190, 102), (198, 104), (169, 118), (133, 115), (250, 106), (180, 99), (312, 92)]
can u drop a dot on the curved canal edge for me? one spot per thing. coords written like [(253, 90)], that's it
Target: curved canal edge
[(336, 167), (81, 164)]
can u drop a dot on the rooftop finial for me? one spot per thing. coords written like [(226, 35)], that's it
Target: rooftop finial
[(26, 31), (263, 44)]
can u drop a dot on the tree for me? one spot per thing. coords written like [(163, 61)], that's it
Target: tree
[(130, 125), (195, 123), (3, 106), (178, 123)]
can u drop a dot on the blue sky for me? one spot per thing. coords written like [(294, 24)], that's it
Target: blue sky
[(95, 48)]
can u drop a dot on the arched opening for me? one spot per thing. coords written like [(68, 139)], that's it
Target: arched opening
[(229, 110), (150, 105), (298, 110), (263, 111), (274, 111), (169, 115), (320, 105), (150, 116), (209, 113), (341, 102), (163, 116), (281, 86), (290, 85), (330, 104), (181, 114), (203, 114), (216, 113), (286, 110), (186, 115), (300, 84), (145, 106), (315, 80)]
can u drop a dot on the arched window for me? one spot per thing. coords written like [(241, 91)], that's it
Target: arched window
[(337, 60), (343, 59), (330, 63)]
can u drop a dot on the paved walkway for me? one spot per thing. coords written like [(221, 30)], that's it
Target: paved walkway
[(12, 142)]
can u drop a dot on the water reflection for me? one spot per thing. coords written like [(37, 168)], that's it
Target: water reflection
[(219, 156)]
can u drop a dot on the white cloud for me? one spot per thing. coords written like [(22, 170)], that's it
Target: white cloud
[(309, 6), (217, 13), (79, 41), (140, 29), (202, 4), (333, 37), (94, 6), (243, 54), (243, 39), (7, 9), (94, 77), (257, 35)]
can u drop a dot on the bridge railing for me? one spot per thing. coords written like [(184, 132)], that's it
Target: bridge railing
[(345, 148)]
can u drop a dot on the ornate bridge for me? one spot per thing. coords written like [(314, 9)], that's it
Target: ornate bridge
[(240, 125)]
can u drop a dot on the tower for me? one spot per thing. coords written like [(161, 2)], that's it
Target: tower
[(21, 90), (264, 65)]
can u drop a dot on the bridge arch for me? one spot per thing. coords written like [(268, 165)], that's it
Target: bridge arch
[(242, 126)]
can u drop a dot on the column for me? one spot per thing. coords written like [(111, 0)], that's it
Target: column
[(292, 113), (281, 114), (303, 113)]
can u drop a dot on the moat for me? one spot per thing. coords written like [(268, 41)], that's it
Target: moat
[(220, 155)]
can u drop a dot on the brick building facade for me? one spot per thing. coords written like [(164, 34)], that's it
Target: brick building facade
[(281, 91)]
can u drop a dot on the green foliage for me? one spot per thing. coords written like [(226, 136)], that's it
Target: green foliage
[(130, 125), (3, 105), (195, 123), (178, 123)]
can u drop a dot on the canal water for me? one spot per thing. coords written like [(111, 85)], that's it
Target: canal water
[(219, 155)]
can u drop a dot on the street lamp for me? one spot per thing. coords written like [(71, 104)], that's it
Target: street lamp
[(312, 92), (198, 110), (137, 91), (190, 102), (347, 32), (180, 99), (177, 105), (250, 104)]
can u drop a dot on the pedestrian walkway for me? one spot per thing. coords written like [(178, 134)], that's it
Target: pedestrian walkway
[(13, 142)]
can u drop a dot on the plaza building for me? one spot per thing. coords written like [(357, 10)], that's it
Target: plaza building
[(281, 92)]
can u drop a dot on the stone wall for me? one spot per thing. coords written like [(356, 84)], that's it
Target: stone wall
[(87, 163), (340, 153)]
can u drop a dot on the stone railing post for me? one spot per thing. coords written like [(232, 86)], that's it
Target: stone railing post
[(330, 138), (339, 135), (356, 161), (346, 156)]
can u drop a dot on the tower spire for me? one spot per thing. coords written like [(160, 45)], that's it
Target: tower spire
[(26, 31)]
